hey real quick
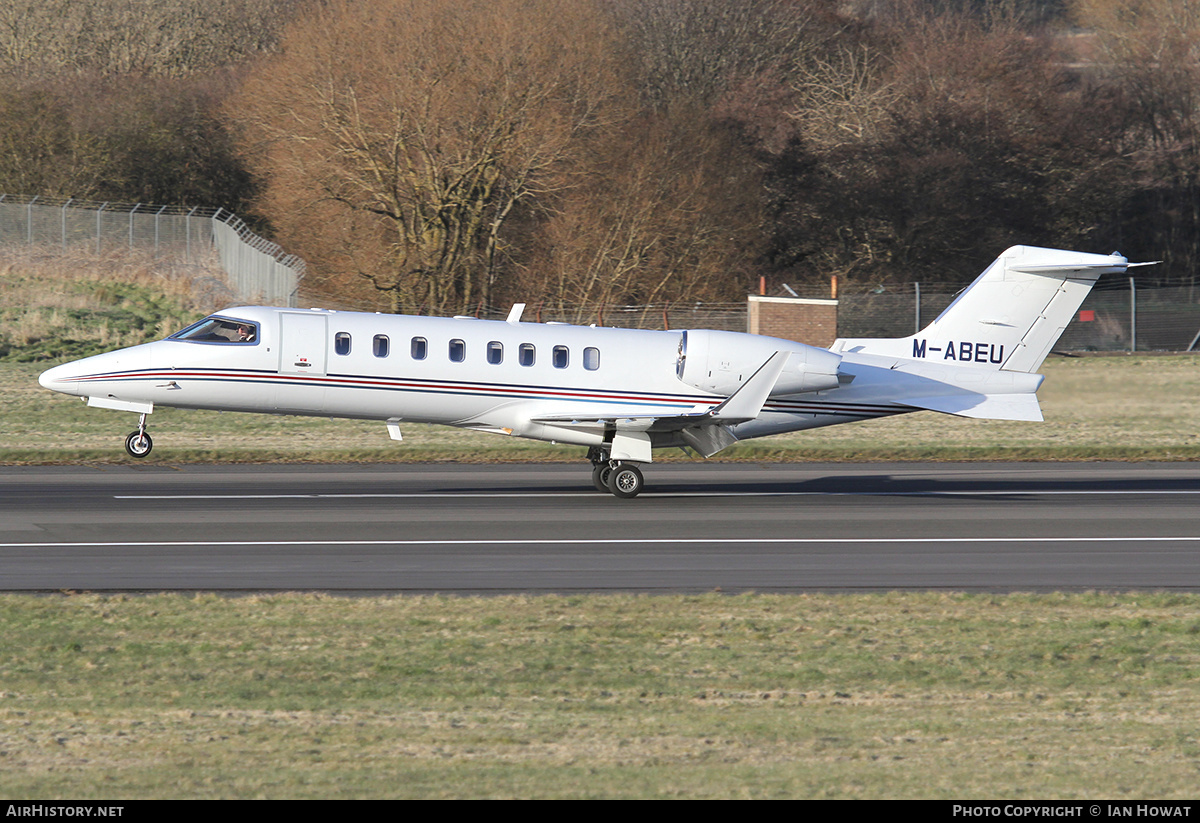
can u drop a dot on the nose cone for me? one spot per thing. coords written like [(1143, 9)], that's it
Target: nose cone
[(61, 378), (118, 377), (86, 376)]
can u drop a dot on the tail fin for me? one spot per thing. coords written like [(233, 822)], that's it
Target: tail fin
[(1010, 317)]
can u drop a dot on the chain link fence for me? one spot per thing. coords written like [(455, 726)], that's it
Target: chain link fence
[(1118, 315), (257, 270)]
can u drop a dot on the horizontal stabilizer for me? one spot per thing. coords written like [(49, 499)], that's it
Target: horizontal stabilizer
[(983, 406)]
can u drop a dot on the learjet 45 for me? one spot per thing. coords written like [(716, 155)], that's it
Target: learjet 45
[(621, 393)]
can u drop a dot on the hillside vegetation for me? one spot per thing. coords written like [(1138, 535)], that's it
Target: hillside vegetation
[(56, 307), (442, 155)]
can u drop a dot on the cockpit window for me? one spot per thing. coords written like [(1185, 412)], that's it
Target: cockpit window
[(219, 330)]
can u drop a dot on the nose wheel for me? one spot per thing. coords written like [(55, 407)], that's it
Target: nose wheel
[(138, 443)]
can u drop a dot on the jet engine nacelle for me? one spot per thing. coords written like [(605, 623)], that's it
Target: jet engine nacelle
[(722, 361)]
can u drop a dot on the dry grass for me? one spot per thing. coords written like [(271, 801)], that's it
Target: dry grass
[(46, 278)]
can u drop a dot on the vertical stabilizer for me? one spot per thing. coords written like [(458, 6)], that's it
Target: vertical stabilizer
[(1010, 317)]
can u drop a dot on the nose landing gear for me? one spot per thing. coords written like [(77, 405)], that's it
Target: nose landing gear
[(138, 443)]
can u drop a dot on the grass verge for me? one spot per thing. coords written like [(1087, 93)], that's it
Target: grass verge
[(755, 696)]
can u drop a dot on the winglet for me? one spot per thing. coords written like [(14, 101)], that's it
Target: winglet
[(747, 401)]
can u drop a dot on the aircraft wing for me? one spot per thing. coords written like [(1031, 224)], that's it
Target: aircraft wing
[(706, 429)]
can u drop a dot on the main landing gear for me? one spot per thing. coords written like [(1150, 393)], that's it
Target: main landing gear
[(138, 443), (617, 477)]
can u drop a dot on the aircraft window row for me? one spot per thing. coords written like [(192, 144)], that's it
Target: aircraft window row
[(560, 356)]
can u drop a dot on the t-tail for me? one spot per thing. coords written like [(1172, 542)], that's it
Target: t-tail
[(1010, 317), (979, 357)]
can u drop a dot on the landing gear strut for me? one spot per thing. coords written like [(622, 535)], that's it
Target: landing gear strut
[(138, 443)]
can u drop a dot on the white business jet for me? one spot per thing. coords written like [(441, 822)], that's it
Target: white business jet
[(619, 392)]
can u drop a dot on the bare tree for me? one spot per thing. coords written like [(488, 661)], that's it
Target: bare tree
[(665, 216), (1149, 53), (420, 125), (842, 97), (162, 37), (938, 139), (694, 51), (42, 149)]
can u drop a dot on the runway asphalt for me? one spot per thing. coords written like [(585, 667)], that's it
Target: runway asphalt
[(542, 528)]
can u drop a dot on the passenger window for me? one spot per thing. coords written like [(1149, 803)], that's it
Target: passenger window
[(420, 348), (591, 358), (525, 354), (380, 345), (495, 353), (561, 357), (458, 351), (341, 342)]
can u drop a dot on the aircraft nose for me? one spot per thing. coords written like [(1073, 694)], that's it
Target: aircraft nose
[(59, 379)]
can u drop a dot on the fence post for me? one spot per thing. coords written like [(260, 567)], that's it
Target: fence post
[(188, 224), (136, 206), (1132, 316), (917, 291), (63, 222), (98, 213), (29, 221), (156, 215)]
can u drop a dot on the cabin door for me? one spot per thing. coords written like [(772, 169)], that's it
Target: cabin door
[(301, 354), (302, 347)]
